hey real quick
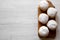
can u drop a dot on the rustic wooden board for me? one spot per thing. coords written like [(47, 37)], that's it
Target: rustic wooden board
[(19, 20), (52, 34)]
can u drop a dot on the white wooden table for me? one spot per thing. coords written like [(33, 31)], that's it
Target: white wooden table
[(18, 19)]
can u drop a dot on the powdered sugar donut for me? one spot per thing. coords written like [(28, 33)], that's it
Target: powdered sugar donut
[(52, 12), (44, 5), (43, 31), (52, 24), (43, 18)]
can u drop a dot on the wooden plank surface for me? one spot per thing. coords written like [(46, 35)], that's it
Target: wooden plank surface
[(18, 19)]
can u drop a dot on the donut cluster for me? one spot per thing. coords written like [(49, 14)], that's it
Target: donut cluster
[(47, 19)]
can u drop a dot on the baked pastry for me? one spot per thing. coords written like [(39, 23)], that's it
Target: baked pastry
[(43, 31), (52, 34), (43, 18), (52, 12), (52, 24), (44, 5)]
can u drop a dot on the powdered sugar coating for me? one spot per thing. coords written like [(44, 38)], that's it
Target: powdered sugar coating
[(52, 12), (52, 24), (43, 18), (44, 5), (43, 31)]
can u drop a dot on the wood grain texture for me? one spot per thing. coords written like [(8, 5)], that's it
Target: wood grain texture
[(19, 21), (52, 34)]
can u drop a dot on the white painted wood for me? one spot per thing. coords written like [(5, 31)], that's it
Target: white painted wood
[(18, 19)]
